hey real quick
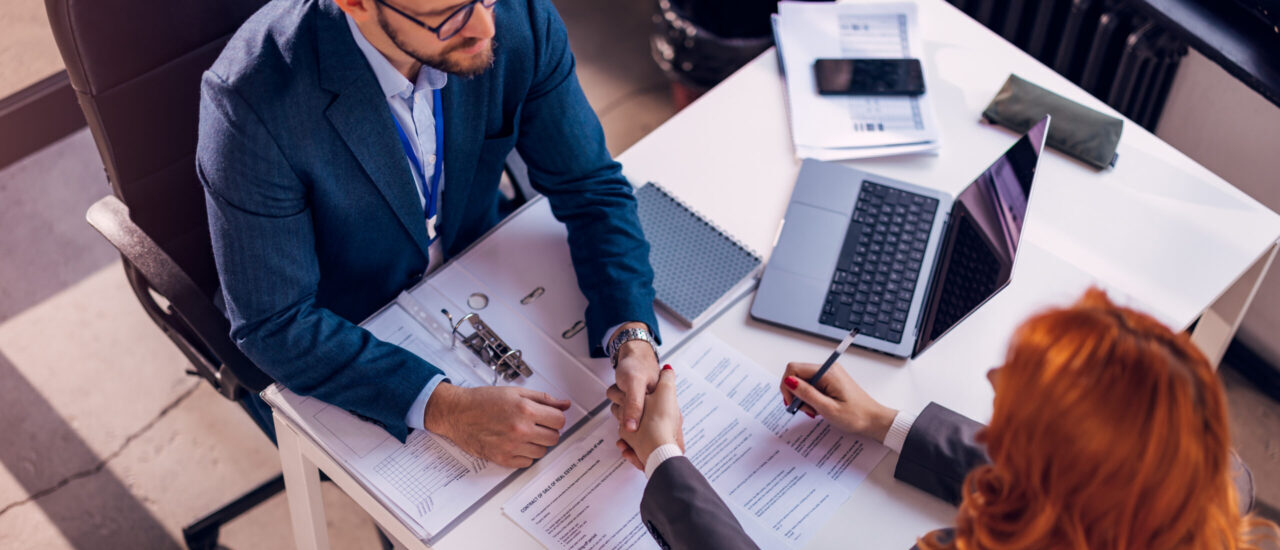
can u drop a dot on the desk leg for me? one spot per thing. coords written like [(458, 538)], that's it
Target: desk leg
[(302, 487), (1219, 323)]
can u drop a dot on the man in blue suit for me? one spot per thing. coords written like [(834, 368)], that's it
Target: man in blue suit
[(347, 147)]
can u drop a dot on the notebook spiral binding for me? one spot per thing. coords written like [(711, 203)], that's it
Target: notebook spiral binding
[(667, 194)]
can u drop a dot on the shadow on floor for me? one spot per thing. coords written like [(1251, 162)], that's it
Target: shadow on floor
[(46, 243), (91, 508)]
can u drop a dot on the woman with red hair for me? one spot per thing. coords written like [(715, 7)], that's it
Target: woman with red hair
[(1108, 431)]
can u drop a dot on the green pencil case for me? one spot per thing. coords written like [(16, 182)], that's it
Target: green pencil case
[(1076, 130)]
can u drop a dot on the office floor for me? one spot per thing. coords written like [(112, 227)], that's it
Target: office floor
[(107, 444)]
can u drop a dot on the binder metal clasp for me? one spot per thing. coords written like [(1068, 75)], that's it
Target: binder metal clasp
[(506, 361)]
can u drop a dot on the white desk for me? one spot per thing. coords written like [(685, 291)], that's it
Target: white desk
[(1175, 239)]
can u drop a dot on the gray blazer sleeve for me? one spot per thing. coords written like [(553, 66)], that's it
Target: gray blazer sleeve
[(940, 451), (681, 510)]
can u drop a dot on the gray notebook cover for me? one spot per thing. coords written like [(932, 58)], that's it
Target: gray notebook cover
[(695, 264)]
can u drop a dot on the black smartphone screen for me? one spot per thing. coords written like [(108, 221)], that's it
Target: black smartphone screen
[(869, 76)]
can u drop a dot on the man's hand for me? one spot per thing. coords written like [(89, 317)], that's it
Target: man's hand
[(838, 399), (510, 426), (662, 422), (636, 376)]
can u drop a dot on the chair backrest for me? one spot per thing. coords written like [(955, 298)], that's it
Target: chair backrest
[(135, 67)]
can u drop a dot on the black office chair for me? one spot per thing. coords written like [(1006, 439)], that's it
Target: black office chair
[(135, 67)]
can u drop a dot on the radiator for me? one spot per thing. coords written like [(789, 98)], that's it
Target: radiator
[(1104, 47)]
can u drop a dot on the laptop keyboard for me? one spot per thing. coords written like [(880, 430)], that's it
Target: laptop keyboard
[(880, 261), (973, 273)]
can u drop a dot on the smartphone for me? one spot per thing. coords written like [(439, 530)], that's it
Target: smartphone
[(869, 76)]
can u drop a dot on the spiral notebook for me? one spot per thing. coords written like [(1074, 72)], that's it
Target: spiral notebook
[(697, 267)]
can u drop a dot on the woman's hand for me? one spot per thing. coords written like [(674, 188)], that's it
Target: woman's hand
[(838, 399), (660, 425)]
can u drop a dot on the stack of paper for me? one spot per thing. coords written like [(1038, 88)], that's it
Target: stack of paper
[(783, 476), (844, 127), (531, 301)]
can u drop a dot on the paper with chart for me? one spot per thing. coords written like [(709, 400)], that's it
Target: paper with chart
[(427, 482), (774, 473), (833, 127)]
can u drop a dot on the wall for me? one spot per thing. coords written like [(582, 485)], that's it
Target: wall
[(1230, 129)]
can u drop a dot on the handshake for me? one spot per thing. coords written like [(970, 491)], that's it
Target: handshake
[(836, 397), (515, 426)]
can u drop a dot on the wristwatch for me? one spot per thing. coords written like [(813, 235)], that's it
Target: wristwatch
[(627, 335)]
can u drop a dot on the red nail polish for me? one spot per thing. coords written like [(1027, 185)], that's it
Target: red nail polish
[(667, 367), (791, 382), (811, 415)]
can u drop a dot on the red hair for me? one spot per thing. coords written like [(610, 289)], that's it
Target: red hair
[(1109, 431)]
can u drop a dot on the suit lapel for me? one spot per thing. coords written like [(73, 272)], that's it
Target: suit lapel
[(464, 119), (360, 114)]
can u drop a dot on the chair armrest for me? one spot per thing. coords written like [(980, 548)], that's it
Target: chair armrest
[(110, 217)]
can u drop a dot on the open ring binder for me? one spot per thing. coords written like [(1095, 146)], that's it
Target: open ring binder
[(507, 362)]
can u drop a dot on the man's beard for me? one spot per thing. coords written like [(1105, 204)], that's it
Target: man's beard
[(443, 62)]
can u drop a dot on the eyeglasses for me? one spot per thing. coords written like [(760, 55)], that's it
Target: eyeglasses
[(452, 24)]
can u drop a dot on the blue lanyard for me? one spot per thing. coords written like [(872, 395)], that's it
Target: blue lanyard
[(430, 194)]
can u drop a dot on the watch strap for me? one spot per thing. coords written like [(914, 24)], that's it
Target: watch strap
[(627, 335)]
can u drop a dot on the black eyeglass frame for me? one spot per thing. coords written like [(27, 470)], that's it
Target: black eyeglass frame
[(468, 8)]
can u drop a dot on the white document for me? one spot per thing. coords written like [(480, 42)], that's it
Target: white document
[(530, 251), (831, 127), (844, 458), (427, 482), (843, 153), (588, 499), (774, 473)]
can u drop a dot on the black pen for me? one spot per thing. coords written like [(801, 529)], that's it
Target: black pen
[(813, 380)]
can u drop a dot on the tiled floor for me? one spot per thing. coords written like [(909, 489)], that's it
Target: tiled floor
[(106, 444)]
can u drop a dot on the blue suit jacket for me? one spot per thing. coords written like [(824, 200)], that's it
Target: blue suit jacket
[(314, 218)]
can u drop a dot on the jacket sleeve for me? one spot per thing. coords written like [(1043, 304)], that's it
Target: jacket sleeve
[(561, 141), (264, 247), (939, 452), (682, 511)]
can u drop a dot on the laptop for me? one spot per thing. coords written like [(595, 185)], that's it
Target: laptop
[(901, 262)]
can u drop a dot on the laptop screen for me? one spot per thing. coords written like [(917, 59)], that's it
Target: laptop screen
[(976, 256)]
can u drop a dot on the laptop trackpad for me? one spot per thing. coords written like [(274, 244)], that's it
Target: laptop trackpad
[(810, 242)]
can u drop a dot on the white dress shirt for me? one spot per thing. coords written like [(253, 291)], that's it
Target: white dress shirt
[(410, 104)]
